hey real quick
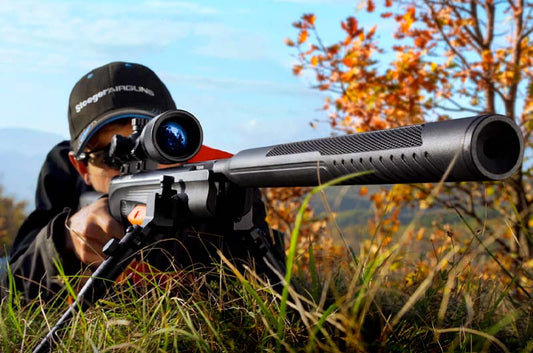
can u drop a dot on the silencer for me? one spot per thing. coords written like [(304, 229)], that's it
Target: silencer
[(485, 147)]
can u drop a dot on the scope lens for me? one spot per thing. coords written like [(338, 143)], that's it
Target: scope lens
[(172, 138)]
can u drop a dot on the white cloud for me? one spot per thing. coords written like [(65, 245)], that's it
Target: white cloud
[(180, 6), (236, 84), (314, 2), (85, 25), (82, 29), (118, 33), (241, 47)]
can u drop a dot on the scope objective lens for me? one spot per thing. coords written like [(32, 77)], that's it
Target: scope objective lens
[(172, 138)]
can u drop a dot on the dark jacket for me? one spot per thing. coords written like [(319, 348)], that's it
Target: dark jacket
[(38, 248)]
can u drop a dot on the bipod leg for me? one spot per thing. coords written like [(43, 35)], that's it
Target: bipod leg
[(119, 255)]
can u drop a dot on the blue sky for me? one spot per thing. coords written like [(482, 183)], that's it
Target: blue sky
[(224, 61)]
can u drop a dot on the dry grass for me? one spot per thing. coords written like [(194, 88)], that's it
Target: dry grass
[(462, 296)]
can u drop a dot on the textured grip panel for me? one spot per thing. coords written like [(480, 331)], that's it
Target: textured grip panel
[(402, 137), (389, 167)]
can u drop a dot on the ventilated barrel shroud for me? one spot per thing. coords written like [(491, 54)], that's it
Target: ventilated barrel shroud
[(486, 147)]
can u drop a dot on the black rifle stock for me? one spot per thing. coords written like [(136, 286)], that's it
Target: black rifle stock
[(480, 148)]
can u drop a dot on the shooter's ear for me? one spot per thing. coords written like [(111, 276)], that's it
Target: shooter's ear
[(81, 167)]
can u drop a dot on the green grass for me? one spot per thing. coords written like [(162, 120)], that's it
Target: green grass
[(463, 297)]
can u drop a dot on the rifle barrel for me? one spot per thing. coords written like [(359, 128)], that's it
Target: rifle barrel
[(485, 147)]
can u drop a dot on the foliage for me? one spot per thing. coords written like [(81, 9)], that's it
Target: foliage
[(12, 214), (447, 58), (282, 210)]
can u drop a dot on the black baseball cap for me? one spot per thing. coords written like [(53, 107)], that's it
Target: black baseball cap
[(111, 92)]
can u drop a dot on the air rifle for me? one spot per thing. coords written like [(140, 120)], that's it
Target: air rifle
[(480, 148)]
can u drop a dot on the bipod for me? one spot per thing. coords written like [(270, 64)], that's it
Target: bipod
[(119, 254)]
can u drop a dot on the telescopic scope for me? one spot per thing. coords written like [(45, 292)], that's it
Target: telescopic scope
[(172, 137)]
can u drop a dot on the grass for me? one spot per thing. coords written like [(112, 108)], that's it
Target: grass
[(463, 296)]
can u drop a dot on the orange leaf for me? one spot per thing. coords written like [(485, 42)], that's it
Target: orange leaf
[(334, 49), (309, 18), (421, 41), (302, 37), (297, 24), (347, 76), (371, 32), (289, 42), (408, 19), (370, 6), (350, 26), (348, 61)]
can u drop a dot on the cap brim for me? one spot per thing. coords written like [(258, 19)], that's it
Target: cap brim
[(85, 136)]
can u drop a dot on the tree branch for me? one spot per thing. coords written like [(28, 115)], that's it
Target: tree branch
[(445, 36)]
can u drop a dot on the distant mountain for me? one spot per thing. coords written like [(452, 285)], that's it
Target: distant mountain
[(22, 152), (27, 141)]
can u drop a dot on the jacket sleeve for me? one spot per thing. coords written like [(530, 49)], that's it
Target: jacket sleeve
[(58, 186), (36, 270), (38, 243)]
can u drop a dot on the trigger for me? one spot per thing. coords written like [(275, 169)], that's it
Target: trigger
[(137, 215)]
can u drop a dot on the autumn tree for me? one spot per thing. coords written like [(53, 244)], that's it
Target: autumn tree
[(12, 214), (447, 59)]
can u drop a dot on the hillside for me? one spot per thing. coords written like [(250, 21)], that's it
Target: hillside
[(22, 152)]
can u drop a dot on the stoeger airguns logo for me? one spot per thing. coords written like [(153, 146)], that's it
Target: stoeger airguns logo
[(122, 88)]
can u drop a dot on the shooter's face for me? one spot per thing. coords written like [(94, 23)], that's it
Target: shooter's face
[(96, 173)]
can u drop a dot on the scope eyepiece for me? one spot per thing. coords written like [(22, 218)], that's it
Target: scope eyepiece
[(172, 137)]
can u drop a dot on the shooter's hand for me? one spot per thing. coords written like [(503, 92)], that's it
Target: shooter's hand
[(89, 229)]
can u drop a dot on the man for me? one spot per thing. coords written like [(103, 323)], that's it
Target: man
[(58, 234)]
